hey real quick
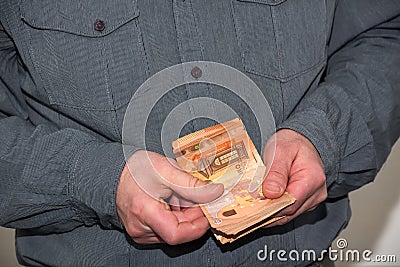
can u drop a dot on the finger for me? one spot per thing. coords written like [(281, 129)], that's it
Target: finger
[(189, 214), (178, 203), (311, 209), (185, 203), (286, 217), (165, 224), (280, 163), (174, 203), (138, 230), (306, 185), (182, 183), (308, 205), (193, 189), (305, 199), (154, 239)]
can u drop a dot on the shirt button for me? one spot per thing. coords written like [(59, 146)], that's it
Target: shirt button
[(99, 25), (196, 72)]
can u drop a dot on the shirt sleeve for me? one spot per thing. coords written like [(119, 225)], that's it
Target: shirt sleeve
[(51, 180), (353, 116)]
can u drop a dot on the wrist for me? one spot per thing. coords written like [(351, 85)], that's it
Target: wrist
[(318, 131), (93, 180)]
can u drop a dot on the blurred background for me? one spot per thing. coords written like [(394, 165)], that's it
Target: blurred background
[(374, 225)]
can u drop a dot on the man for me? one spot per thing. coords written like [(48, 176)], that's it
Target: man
[(329, 70)]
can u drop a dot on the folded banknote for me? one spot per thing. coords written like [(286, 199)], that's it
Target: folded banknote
[(225, 154)]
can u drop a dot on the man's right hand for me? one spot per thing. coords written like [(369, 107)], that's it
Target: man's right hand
[(142, 210)]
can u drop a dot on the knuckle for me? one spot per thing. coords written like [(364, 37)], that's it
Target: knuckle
[(284, 220), (172, 242), (192, 182), (291, 210), (277, 175), (171, 239), (135, 210), (163, 167), (138, 241), (133, 232), (312, 208), (319, 179), (323, 196)]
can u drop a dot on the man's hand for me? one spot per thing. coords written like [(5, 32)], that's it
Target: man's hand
[(295, 167), (147, 218)]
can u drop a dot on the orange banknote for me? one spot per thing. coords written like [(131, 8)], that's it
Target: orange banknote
[(225, 154)]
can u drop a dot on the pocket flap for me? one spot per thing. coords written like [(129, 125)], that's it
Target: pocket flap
[(78, 17)]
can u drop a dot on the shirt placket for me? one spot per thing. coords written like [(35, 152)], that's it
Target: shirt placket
[(190, 49)]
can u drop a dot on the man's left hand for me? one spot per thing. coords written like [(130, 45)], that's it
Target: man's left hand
[(297, 168)]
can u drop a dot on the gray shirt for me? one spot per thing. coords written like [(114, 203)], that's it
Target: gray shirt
[(329, 70)]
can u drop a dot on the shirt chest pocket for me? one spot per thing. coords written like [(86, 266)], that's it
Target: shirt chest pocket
[(88, 54), (281, 39)]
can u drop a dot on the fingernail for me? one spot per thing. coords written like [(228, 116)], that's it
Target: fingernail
[(273, 187)]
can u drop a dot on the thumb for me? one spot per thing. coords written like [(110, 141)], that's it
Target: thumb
[(193, 189), (276, 181)]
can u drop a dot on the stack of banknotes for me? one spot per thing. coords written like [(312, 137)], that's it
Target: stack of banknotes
[(225, 154)]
